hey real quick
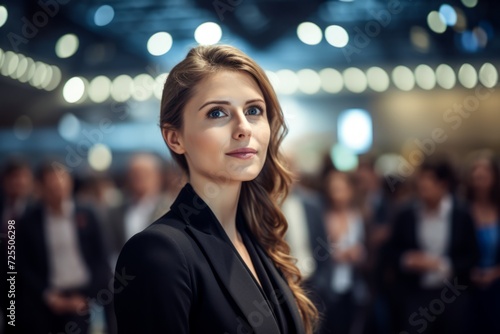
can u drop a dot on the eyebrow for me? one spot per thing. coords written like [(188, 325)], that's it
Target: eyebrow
[(228, 103)]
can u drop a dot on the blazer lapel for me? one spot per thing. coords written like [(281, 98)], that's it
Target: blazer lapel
[(287, 294), (212, 239)]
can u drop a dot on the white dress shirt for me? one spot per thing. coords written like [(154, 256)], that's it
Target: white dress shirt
[(433, 237), (67, 269), (138, 215)]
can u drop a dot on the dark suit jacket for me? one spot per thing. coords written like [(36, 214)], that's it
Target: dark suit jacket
[(33, 258), (461, 249), (33, 315), (182, 275)]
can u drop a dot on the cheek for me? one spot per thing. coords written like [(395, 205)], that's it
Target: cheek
[(263, 134), (204, 143)]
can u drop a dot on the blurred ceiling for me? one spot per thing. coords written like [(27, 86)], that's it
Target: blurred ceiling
[(395, 32)]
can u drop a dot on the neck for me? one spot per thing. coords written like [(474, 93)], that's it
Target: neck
[(432, 205), (55, 207), (222, 198), (340, 209), (137, 197)]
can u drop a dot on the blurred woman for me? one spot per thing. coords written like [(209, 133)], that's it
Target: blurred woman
[(340, 285), (483, 194)]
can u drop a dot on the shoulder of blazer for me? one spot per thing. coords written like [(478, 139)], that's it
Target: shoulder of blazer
[(166, 235), (169, 226), (163, 244)]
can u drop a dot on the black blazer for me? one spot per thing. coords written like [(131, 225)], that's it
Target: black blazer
[(182, 275), (461, 248)]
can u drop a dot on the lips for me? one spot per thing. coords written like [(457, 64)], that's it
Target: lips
[(242, 153)]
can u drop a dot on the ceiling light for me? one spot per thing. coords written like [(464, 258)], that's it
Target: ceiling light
[(160, 43)]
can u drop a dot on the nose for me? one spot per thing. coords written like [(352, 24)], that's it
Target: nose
[(243, 129)]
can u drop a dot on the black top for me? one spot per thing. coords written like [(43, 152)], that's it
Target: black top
[(183, 275)]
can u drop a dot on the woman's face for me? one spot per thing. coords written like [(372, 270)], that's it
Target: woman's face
[(482, 176), (225, 131), (339, 189)]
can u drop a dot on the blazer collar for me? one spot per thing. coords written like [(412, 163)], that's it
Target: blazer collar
[(285, 297), (204, 227), (191, 208)]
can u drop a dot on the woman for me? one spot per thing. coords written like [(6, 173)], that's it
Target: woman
[(339, 281), (483, 194), (217, 261)]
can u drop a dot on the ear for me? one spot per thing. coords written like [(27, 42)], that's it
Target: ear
[(173, 139)]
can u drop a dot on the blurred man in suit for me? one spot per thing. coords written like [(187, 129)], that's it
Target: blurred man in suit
[(16, 197), (61, 263), (144, 201), (432, 250)]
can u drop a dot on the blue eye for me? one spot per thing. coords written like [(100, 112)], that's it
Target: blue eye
[(254, 111), (216, 113)]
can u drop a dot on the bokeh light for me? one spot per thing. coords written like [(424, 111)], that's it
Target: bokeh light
[(288, 81), (67, 46), (100, 157), (436, 22), (488, 75), (104, 15), (336, 36), (355, 130), (403, 78), (445, 76), (208, 33), (69, 127), (99, 89), (309, 81), (331, 80), (4, 14), (74, 90), (160, 43), (355, 80), (425, 77), (378, 79), (467, 76), (343, 158), (309, 33)]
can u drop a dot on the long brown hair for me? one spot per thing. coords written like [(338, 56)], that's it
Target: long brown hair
[(260, 198)]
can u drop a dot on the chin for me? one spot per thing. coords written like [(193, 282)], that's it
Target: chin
[(246, 173)]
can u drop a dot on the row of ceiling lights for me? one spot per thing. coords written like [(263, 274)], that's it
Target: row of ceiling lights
[(26, 70), (287, 82), (307, 81)]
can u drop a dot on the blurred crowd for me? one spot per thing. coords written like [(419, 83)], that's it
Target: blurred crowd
[(421, 256)]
